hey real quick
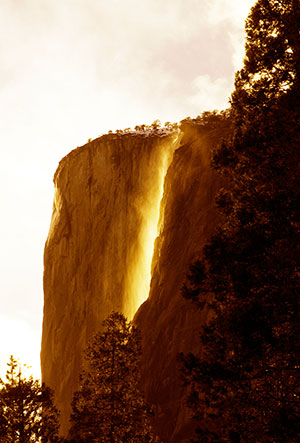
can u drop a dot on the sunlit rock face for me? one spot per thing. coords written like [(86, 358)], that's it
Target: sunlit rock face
[(170, 324), (113, 197), (100, 244)]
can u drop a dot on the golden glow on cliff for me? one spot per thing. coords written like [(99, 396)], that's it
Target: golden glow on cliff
[(56, 210), (139, 271)]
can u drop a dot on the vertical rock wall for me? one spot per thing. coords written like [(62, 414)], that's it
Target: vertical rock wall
[(113, 197), (99, 248), (170, 324)]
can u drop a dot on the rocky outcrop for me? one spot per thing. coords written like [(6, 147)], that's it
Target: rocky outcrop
[(113, 197)]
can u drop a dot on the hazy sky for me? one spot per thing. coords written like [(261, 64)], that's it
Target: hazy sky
[(74, 69)]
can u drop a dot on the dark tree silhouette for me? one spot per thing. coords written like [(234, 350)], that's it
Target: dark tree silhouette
[(244, 385), (109, 406), (27, 413)]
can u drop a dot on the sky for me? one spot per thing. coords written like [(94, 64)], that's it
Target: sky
[(71, 70)]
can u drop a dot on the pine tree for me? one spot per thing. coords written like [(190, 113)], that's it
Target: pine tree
[(244, 385), (27, 413), (109, 406)]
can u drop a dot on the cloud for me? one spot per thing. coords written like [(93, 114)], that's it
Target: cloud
[(74, 69), (210, 94), (68, 55), (233, 11), (231, 14)]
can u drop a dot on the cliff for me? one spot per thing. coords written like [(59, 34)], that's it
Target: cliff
[(170, 324), (113, 197)]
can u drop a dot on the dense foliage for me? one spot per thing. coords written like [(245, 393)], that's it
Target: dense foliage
[(109, 406), (244, 385), (27, 413)]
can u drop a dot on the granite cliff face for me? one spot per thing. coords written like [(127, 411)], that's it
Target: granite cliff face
[(170, 324), (113, 197)]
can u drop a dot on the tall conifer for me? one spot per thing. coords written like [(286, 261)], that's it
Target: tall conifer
[(109, 406), (244, 385)]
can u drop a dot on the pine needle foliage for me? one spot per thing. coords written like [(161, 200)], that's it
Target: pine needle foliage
[(244, 385), (27, 413), (109, 406)]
